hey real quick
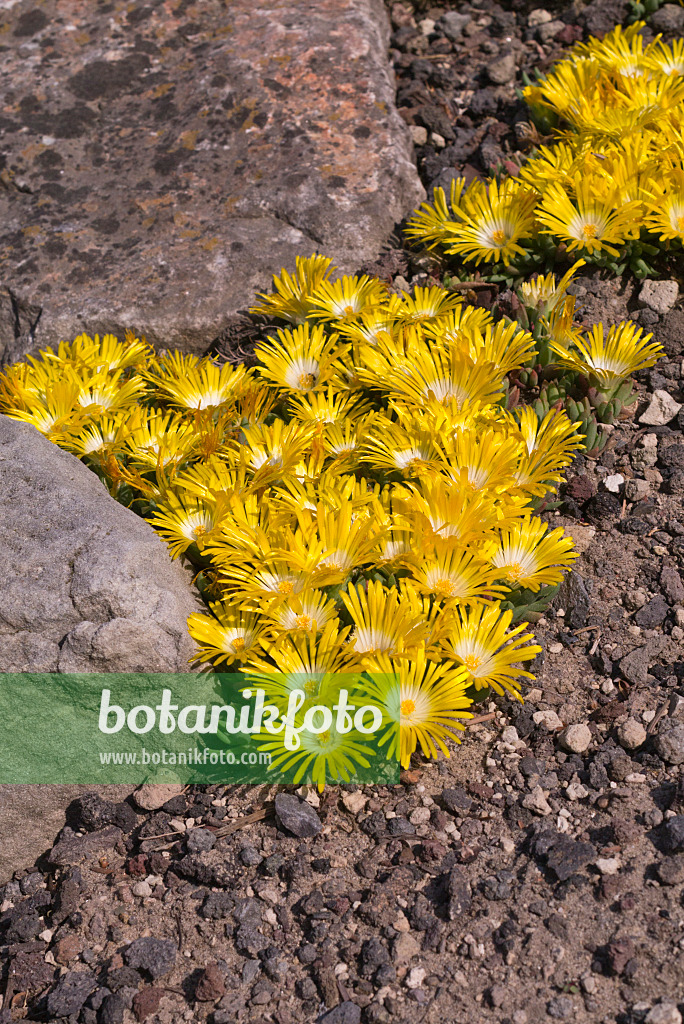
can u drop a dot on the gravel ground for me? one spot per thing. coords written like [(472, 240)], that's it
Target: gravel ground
[(537, 875)]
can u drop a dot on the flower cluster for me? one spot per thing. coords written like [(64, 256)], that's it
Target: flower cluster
[(362, 501), (610, 182)]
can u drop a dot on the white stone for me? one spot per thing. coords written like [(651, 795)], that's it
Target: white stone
[(151, 796), (664, 1013), (536, 801), (419, 134), (576, 791), (510, 735), (354, 802), (660, 296), (508, 846), (438, 141), (631, 734), (555, 648), (576, 738), (142, 888), (661, 410), (608, 865), (420, 816), (538, 17), (637, 490), (177, 825), (426, 26), (614, 482), (549, 719), (415, 977)]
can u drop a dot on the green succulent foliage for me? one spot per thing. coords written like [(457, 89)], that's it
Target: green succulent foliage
[(528, 606)]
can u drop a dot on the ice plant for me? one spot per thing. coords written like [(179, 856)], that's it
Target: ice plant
[(363, 500), (608, 185)]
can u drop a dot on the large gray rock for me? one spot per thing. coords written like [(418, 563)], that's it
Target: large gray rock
[(85, 584), (161, 161)]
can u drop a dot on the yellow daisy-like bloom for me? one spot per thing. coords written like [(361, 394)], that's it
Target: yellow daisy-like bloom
[(609, 359), (390, 446), (229, 634), (482, 460), (543, 294), (496, 219), (301, 359), (55, 413), (310, 612), (385, 621), (302, 661), (528, 557), (106, 436), (182, 524), (253, 581), (549, 447), (423, 703), (189, 383), (450, 572), (482, 642), (292, 298), (425, 304), (665, 206), (440, 510), (330, 543), (347, 298), (159, 439), (588, 220), (106, 353)]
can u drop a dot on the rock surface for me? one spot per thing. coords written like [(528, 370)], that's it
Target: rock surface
[(161, 161), (85, 584)]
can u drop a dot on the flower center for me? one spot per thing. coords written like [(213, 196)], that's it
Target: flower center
[(285, 587), (238, 644), (349, 311), (303, 622), (407, 708), (445, 588), (515, 571), (499, 237), (472, 662), (680, 223), (590, 231), (306, 380)]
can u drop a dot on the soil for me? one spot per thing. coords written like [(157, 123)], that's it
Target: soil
[(536, 875)]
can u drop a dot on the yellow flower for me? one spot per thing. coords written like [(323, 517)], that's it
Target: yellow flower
[(588, 220), (292, 298), (425, 304), (188, 383), (543, 294), (609, 359), (301, 359), (385, 621), (665, 207), (495, 220), (347, 298), (229, 634), (309, 612), (424, 703), (450, 572), (482, 642), (182, 524), (526, 556)]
